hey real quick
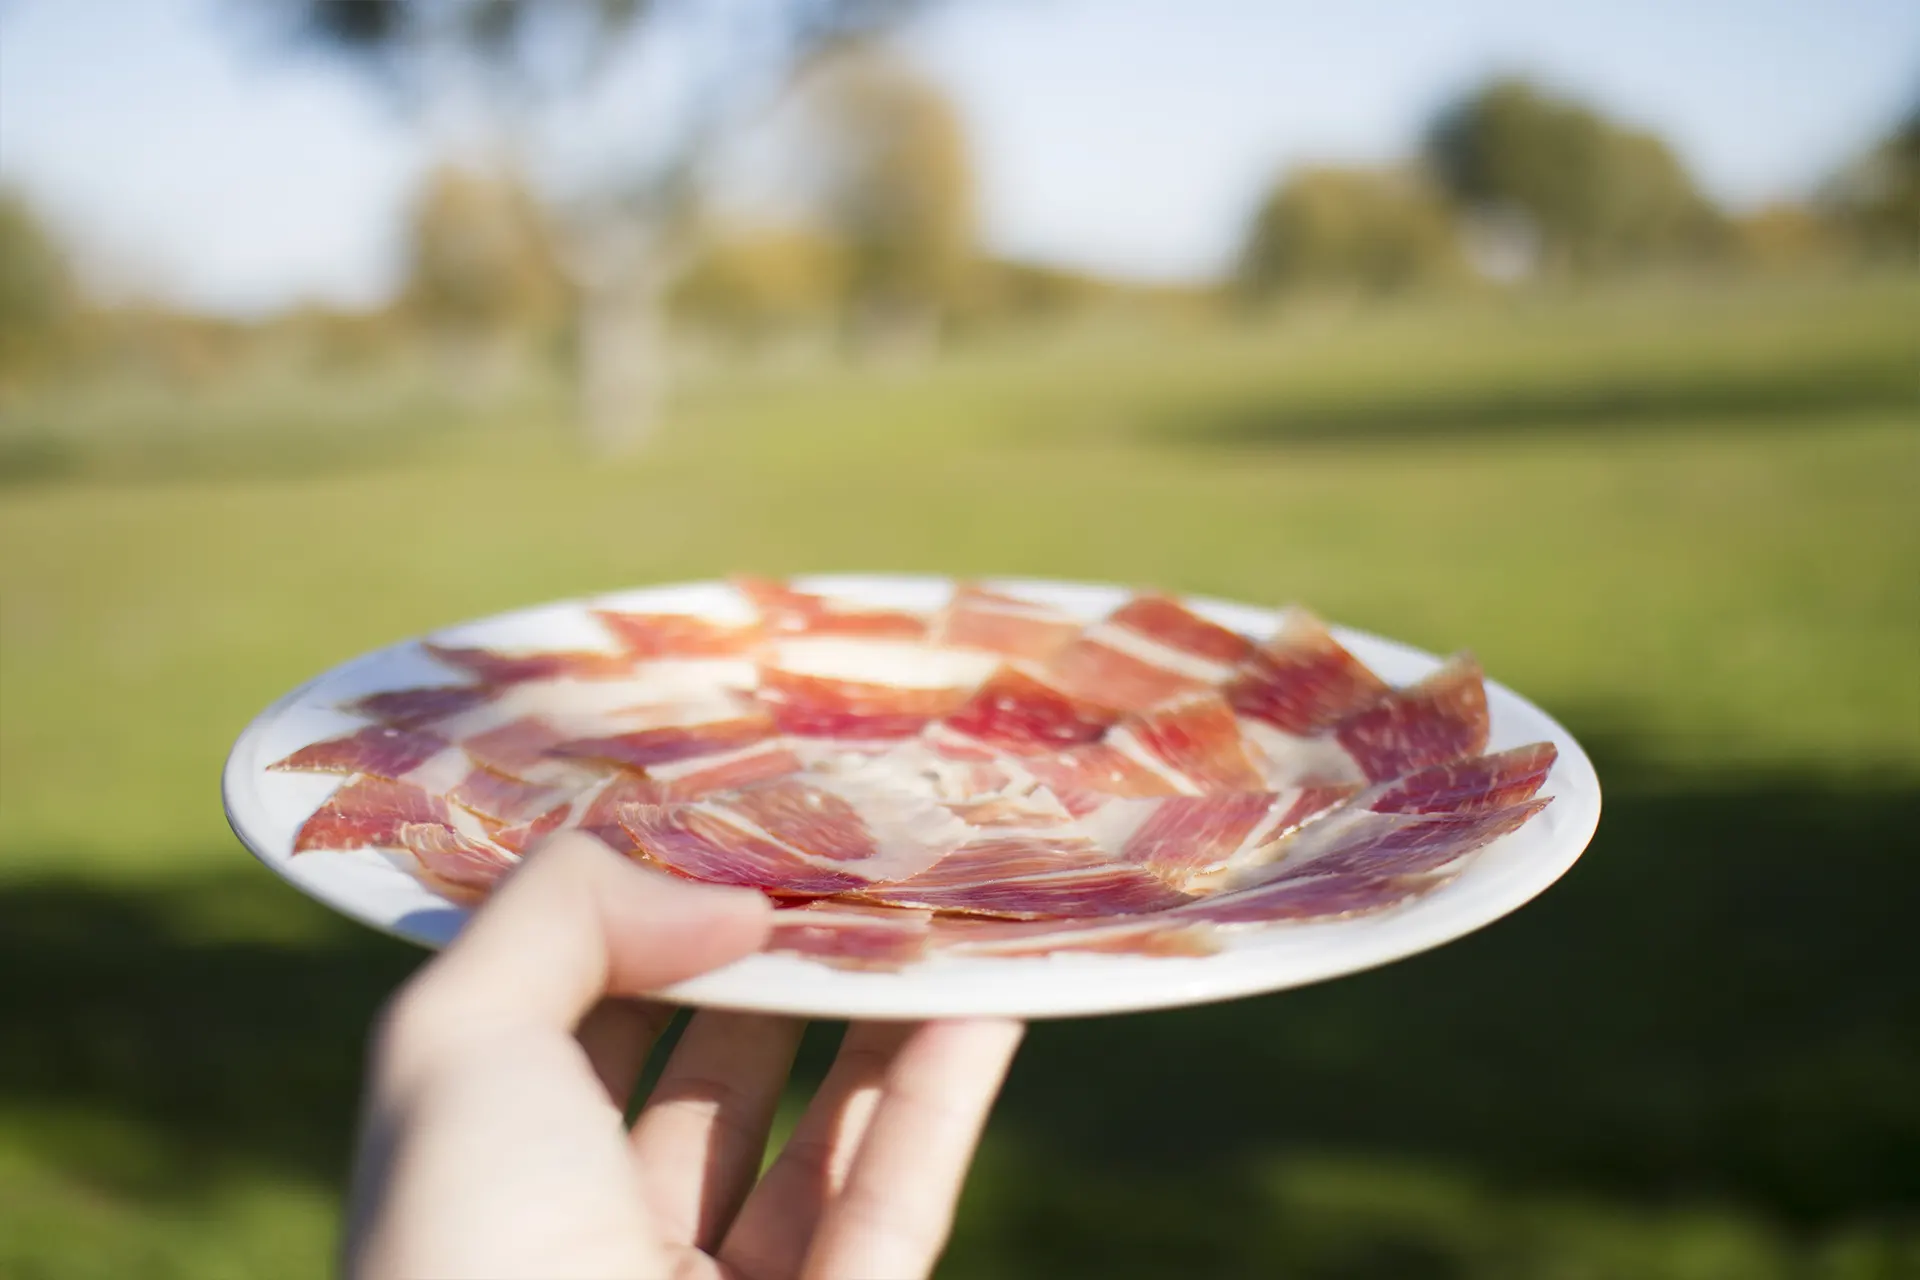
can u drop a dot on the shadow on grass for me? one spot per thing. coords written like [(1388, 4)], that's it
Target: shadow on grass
[(1760, 397), (1719, 1004)]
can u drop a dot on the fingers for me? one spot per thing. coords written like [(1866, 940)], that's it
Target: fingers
[(701, 1138), (617, 1035), (574, 923), (893, 1214), (769, 1238)]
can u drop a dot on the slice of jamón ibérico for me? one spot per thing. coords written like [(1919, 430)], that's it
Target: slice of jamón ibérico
[(785, 611), (504, 666), (369, 813), (382, 751), (665, 735), (1473, 785), (990, 622), (801, 836), (1302, 681), (462, 867), (1017, 713), (1193, 842), (1441, 718), (849, 935), (413, 708), (1030, 876), (858, 688), (650, 636), (1148, 650)]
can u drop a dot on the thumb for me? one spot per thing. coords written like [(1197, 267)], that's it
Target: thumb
[(576, 922)]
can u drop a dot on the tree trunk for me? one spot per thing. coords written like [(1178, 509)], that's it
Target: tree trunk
[(622, 362)]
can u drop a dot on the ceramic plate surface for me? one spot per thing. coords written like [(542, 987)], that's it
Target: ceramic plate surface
[(267, 808)]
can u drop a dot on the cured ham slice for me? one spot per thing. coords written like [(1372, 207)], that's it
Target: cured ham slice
[(664, 735), (1191, 747), (1302, 680), (382, 751), (1148, 650), (1020, 714), (798, 837), (499, 666), (647, 636), (1030, 876), (1361, 842), (1443, 717), (414, 708), (990, 622), (864, 689), (1468, 786), (1191, 842), (369, 813), (459, 866), (785, 611), (1305, 898), (506, 801), (847, 935)]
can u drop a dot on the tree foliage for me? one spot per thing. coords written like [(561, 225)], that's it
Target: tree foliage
[(37, 295), (900, 187), (1597, 193), (1876, 200), (479, 256), (1378, 230)]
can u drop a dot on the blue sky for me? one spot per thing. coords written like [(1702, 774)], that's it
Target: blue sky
[(1129, 136)]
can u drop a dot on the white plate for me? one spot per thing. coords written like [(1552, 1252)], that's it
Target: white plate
[(266, 809)]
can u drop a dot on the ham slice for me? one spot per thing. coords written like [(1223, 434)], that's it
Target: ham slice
[(1017, 713), (414, 708), (1029, 876), (991, 622), (848, 935), (650, 636), (801, 836), (1302, 681), (501, 666), (1150, 649), (461, 867), (785, 611), (1443, 717), (379, 750), (369, 813)]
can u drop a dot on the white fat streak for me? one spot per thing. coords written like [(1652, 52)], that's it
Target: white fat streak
[(1258, 848), (1128, 744), (440, 772), (1289, 760), (671, 681), (1130, 642), (901, 663), (1015, 607)]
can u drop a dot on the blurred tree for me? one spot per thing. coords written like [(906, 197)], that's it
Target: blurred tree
[(1783, 237), (1377, 230), (479, 258), (621, 238), (1596, 194), (37, 295), (899, 192), (1876, 200), (752, 282)]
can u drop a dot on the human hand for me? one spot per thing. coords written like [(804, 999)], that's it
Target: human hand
[(494, 1140)]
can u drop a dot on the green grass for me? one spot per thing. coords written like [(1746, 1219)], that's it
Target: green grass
[(1682, 519)]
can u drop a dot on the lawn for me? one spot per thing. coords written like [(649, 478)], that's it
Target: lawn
[(1682, 517)]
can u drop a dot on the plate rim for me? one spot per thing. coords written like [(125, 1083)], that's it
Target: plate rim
[(1578, 797)]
